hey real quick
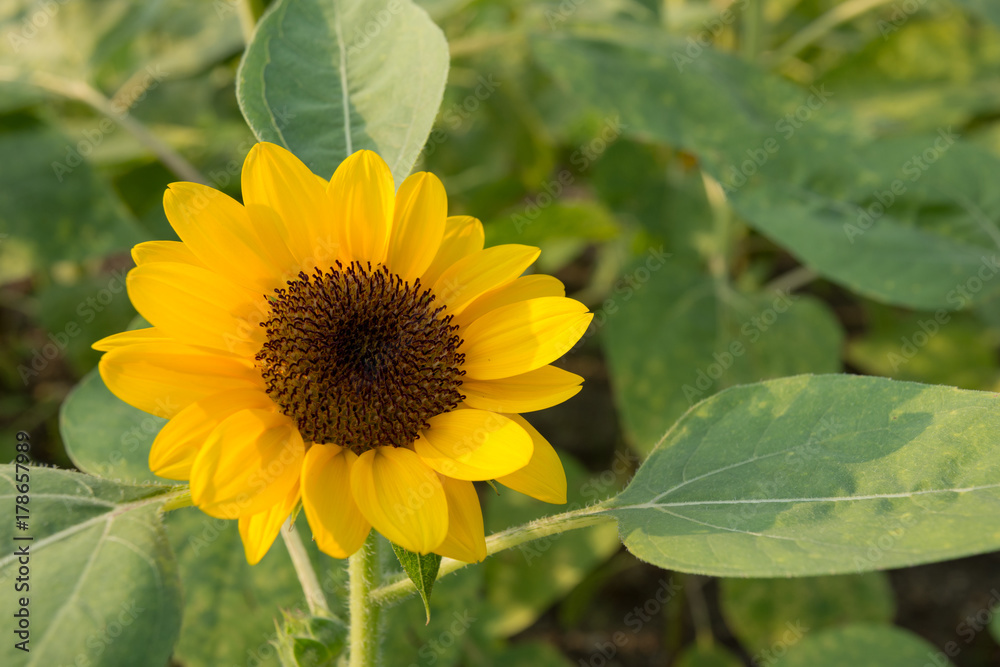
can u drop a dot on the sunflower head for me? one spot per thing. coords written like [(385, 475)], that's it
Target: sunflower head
[(348, 347)]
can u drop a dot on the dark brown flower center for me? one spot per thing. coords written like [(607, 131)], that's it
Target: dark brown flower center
[(360, 358)]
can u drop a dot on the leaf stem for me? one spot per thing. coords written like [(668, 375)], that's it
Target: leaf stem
[(363, 575), (83, 92), (841, 13), (304, 569), (505, 539), (179, 500)]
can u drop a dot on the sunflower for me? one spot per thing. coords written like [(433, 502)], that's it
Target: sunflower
[(348, 347)]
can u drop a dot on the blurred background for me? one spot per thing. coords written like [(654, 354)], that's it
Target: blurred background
[(739, 191)]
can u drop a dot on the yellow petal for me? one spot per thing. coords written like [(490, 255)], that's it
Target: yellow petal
[(478, 273), (473, 445), (463, 235), (249, 463), (337, 524), (114, 341), (199, 307), (523, 336), (543, 478), (259, 530), (164, 251), (522, 289), (401, 497), (417, 225), (362, 192), (222, 235), (178, 443), (466, 540), (535, 390), (162, 378), (279, 190)]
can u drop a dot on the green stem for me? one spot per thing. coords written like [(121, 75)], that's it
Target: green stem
[(752, 27), (178, 500), (363, 571), (304, 569), (506, 539), (841, 13), (84, 92)]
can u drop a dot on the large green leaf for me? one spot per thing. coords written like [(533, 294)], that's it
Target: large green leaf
[(101, 578), (818, 475), (907, 221), (858, 646), (105, 436), (673, 338), (761, 611), (796, 168), (325, 79)]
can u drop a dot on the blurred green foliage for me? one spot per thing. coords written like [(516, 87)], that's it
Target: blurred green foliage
[(682, 164)]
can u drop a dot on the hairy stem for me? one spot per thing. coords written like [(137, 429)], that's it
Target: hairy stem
[(304, 569), (506, 539), (363, 573)]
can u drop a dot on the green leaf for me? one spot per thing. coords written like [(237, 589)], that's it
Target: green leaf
[(229, 605), (103, 584), (310, 641), (105, 436), (819, 475), (325, 79), (422, 571), (860, 646), (676, 338), (761, 611), (714, 656), (902, 221), (797, 169)]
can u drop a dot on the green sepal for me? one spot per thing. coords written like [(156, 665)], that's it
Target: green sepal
[(422, 571)]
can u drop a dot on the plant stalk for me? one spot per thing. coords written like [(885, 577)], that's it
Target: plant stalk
[(506, 539), (304, 569), (363, 575)]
